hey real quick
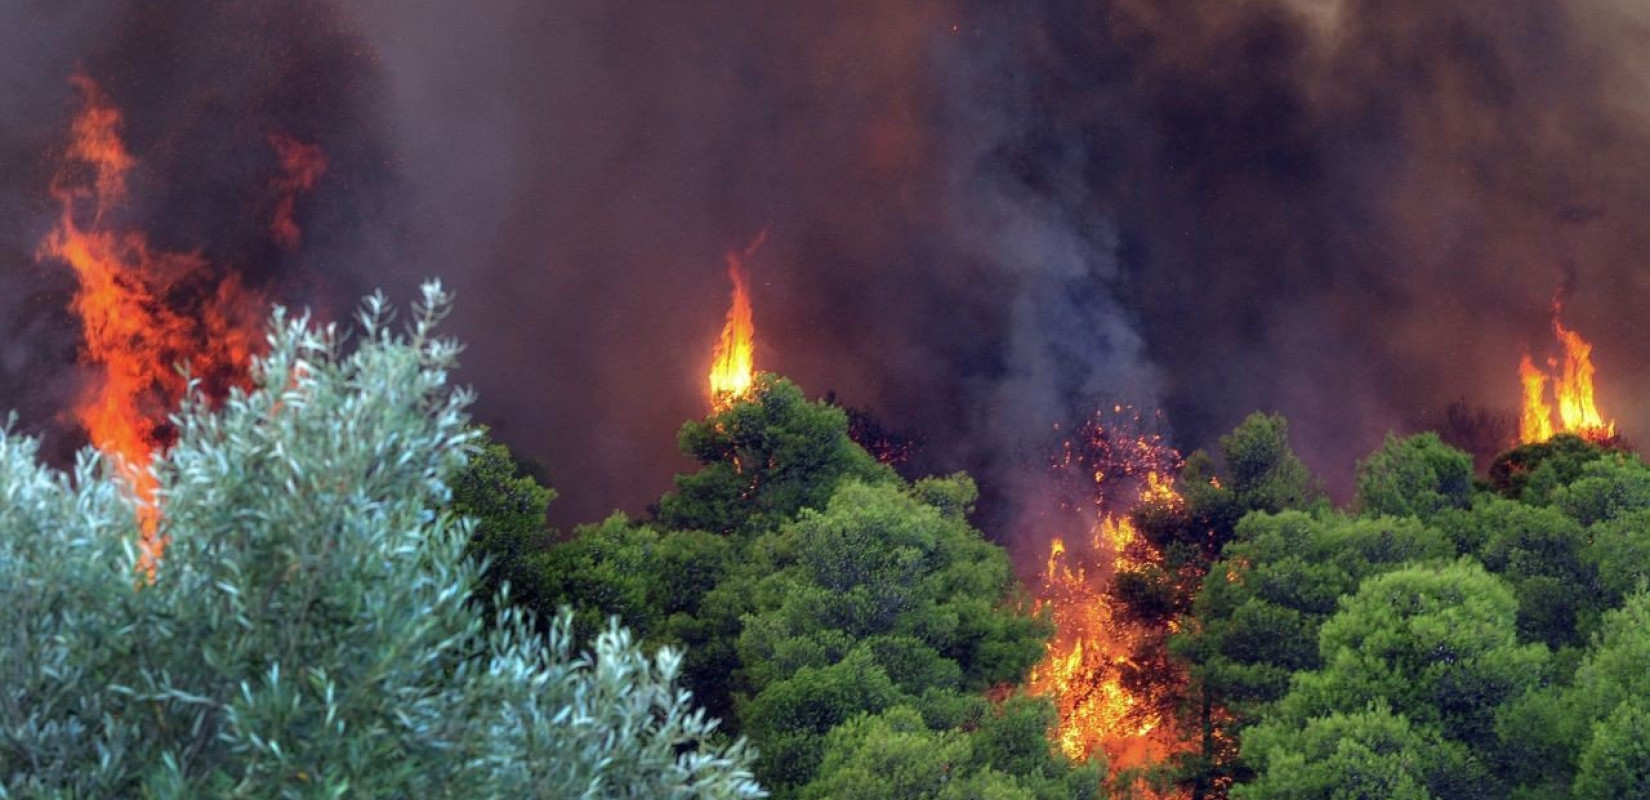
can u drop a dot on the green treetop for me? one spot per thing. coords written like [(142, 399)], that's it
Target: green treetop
[(1416, 476), (763, 459)]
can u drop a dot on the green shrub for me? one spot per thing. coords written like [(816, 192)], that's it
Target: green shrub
[(309, 632)]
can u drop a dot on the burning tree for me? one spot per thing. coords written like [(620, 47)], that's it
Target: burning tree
[(1164, 539), (1109, 701), (733, 362), (1571, 379)]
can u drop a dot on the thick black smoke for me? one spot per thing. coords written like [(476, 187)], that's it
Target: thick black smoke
[(987, 217), (585, 165), (984, 218), (1351, 211)]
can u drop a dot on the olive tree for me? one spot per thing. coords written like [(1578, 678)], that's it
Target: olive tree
[(309, 630)]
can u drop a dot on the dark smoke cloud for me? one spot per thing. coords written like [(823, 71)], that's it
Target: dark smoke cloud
[(984, 218), (586, 164), (1353, 211), (987, 216)]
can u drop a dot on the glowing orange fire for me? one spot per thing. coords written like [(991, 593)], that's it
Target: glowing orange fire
[(1535, 424), (1081, 670), (1092, 648), (1572, 383), (144, 311), (733, 363)]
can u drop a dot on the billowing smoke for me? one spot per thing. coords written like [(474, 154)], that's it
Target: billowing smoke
[(984, 218)]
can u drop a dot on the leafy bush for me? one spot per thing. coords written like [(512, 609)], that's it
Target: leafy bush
[(308, 632)]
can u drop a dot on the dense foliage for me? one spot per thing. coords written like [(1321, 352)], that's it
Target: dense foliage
[(309, 632), (1439, 639), (849, 622), (316, 629)]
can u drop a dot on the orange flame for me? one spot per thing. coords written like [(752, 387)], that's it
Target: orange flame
[(1535, 424), (733, 363), (143, 310), (1574, 386), (1082, 669), (1093, 647), (1572, 382)]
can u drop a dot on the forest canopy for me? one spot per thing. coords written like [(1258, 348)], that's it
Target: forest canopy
[(359, 596)]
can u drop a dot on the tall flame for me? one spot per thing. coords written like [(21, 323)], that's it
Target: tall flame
[(144, 311), (1572, 383), (733, 362), (1535, 424), (1577, 409)]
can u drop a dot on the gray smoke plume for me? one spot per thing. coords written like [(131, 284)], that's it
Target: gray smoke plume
[(586, 165)]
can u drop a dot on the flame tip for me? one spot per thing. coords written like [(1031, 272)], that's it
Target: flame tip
[(733, 362)]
